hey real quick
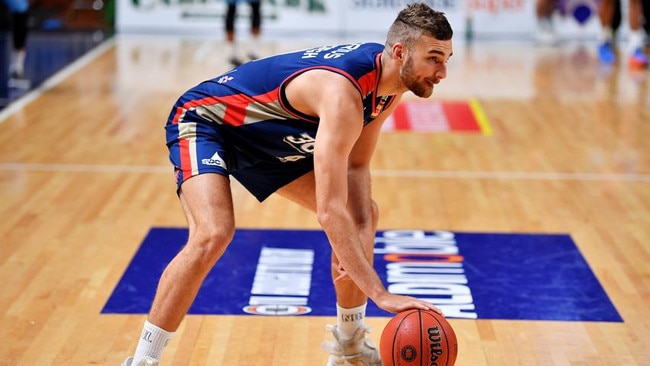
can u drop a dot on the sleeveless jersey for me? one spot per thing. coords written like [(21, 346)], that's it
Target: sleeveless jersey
[(252, 119)]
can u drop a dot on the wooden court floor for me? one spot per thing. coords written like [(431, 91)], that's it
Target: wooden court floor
[(84, 176)]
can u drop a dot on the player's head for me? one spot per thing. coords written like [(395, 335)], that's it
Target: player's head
[(415, 20), (419, 41)]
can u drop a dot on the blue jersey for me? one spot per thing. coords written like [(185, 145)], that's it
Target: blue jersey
[(254, 123)]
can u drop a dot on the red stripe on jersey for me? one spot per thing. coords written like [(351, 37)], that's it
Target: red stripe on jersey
[(180, 111), (237, 105), (367, 83), (186, 161), (370, 81), (236, 109), (200, 102)]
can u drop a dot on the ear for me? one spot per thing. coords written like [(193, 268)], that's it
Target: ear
[(399, 51)]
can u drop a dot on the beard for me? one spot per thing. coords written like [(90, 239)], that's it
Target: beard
[(407, 75)]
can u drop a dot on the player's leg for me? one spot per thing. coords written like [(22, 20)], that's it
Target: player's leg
[(302, 192), (349, 332), (606, 47), (207, 203), (197, 154), (637, 57), (256, 28), (231, 42), (544, 10), (19, 14), (617, 17), (645, 4)]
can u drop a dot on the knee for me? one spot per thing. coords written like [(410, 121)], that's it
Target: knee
[(207, 245), (371, 219)]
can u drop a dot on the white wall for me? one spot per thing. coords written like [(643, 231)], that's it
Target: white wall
[(490, 19)]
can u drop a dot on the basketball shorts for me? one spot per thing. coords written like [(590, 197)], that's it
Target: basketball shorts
[(199, 147)]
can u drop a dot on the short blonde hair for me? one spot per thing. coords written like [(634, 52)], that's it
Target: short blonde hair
[(414, 21)]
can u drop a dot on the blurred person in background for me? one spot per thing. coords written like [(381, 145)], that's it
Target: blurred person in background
[(256, 21), (544, 10), (19, 18), (646, 20), (581, 11)]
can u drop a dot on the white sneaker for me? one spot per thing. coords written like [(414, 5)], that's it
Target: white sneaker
[(546, 35), (355, 351), (18, 80), (147, 361)]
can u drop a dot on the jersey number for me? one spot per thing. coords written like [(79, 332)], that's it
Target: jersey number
[(303, 143)]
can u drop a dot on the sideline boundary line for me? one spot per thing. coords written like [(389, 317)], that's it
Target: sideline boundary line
[(56, 78), (433, 174)]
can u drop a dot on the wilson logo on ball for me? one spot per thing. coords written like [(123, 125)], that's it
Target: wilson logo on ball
[(434, 347)]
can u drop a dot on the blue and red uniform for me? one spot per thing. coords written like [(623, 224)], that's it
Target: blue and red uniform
[(241, 123)]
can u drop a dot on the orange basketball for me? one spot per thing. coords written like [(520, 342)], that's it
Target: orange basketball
[(418, 338)]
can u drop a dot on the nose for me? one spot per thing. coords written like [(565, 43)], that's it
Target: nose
[(441, 73)]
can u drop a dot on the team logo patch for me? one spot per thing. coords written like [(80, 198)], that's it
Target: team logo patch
[(467, 275), (215, 160)]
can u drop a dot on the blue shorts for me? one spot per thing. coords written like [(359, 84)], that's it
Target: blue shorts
[(202, 147), (17, 6)]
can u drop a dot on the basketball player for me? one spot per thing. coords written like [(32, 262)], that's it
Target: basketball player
[(19, 20), (544, 10), (256, 30), (259, 123)]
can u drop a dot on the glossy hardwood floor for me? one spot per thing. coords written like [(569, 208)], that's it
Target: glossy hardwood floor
[(84, 176)]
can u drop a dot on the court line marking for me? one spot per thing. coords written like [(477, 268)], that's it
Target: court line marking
[(56, 78), (481, 117), (434, 174)]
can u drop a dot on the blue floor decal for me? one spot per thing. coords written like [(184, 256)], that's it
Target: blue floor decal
[(468, 275)]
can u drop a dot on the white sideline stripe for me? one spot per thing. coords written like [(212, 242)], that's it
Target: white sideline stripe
[(84, 168), (514, 175), (433, 174), (53, 80)]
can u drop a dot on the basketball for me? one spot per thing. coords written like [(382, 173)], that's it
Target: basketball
[(418, 338)]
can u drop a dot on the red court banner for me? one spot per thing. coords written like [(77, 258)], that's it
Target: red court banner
[(439, 117)]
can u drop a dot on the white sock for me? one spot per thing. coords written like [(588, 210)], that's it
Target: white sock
[(349, 320), (152, 342), (232, 49), (636, 40), (17, 62), (254, 46), (545, 24), (606, 34)]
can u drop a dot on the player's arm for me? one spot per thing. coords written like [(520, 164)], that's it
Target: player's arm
[(338, 105), (359, 177)]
